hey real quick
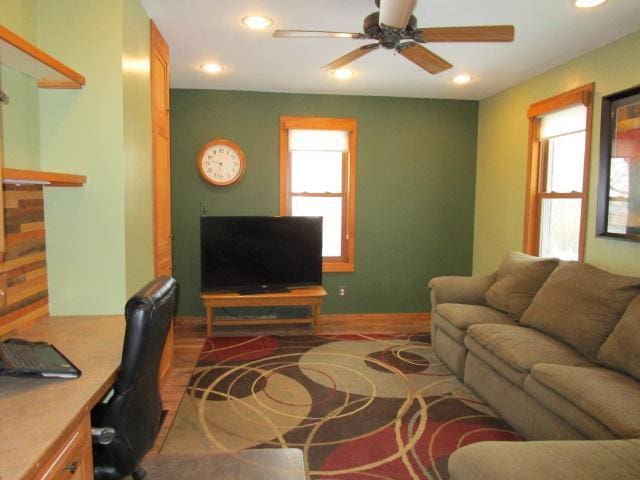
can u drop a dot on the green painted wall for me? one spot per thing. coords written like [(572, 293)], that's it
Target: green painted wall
[(21, 133), (137, 146), (415, 187), (502, 156)]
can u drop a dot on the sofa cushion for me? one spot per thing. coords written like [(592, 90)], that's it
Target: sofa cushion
[(525, 414), (557, 460), (587, 426), (519, 278), (452, 353), (581, 304), (621, 350), (513, 350), (610, 397), (455, 318)]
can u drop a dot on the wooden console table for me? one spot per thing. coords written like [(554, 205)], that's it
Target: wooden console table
[(311, 297)]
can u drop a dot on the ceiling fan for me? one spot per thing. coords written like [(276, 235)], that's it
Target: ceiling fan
[(394, 27)]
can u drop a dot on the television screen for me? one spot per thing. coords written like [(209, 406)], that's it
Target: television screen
[(260, 254)]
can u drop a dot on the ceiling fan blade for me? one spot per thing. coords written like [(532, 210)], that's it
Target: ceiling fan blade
[(396, 13), (351, 56), (489, 33), (423, 57), (315, 34)]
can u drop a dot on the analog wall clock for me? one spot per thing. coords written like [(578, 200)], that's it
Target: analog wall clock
[(221, 162)]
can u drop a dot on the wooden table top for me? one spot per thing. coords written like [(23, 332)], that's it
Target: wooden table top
[(293, 293), (36, 412), (258, 464)]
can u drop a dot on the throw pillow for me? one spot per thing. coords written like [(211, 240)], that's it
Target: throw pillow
[(580, 305), (519, 278), (621, 350)]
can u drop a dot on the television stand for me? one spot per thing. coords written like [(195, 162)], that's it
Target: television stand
[(262, 289), (311, 296)]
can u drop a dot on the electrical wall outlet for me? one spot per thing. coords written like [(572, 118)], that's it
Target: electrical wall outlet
[(342, 291)]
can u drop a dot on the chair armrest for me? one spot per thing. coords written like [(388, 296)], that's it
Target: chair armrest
[(467, 290)]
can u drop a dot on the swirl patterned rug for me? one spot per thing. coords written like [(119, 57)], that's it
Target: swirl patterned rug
[(359, 406)]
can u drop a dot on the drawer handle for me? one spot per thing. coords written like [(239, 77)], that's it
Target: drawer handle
[(72, 467)]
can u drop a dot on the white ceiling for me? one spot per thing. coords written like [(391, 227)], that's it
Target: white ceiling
[(548, 33)]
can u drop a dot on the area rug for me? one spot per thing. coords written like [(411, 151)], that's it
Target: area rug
[(358, 406)]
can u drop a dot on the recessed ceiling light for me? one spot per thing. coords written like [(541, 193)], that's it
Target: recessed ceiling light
[(461, 79), (211, 68), (588, 3), (257, 22), (342, 73)]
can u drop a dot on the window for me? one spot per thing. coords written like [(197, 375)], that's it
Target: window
[(317, 177), (558, 177)]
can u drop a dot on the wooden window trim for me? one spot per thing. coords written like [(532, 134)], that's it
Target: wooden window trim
[(535, 170), (346, 263)]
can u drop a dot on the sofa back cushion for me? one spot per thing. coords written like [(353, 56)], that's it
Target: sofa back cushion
[(621, 350), (519, 278), (580, 305)]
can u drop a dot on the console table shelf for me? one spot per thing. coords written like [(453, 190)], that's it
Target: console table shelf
[(49, 179), (311, 297), (25, 57)]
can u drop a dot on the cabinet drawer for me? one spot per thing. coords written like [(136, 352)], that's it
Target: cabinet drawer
[(72, 460)]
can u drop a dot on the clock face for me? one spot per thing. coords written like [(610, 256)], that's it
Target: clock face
[(221, 162)]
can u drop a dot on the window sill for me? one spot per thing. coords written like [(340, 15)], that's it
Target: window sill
[(338, 267)]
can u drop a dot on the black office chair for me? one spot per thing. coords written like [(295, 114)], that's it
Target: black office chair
[(125, 427)]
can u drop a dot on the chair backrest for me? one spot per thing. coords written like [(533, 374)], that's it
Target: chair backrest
[(135, 409)]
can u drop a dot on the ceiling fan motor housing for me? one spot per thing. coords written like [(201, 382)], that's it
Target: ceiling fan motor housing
[(389, 37)]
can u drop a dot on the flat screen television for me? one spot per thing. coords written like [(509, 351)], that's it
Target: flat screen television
[(259, 254)]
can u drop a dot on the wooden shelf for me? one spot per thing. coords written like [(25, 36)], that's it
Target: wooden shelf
[(311, 296), (50, 179), (25, 57)]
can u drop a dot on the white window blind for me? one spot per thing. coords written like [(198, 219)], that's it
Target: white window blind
[(319, 140), (560, 122)]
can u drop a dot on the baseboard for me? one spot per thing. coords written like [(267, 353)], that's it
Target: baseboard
[(345, 318), (377, 317)]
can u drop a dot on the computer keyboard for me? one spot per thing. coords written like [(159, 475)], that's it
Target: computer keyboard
[(20, 356)]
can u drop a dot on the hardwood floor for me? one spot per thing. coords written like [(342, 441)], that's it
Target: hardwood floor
[(190, 334)]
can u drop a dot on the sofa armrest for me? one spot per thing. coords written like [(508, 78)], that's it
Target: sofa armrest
[(549, 459), (467, 290)]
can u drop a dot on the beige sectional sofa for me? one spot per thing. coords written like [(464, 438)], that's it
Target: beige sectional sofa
[(552, 460), (553, 347)]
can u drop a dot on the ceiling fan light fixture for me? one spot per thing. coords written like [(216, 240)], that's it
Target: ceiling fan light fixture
[(211, 68), (588, 3), (342, 73), (257, 22), (461, 79), (396, 13)]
